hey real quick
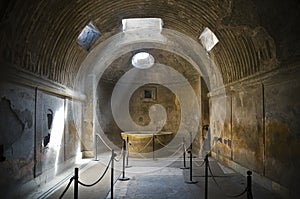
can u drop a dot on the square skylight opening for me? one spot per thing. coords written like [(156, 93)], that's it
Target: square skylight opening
[(142, 23), (208, 39), (88, 36)]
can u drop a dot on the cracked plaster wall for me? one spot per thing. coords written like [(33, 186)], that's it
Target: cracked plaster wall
[(23, 116), (17, 133), (261, 130), (139, 110)]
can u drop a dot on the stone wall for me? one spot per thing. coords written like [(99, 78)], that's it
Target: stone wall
[(17, 116), (282, 129), (261, 129), (40, 135), (104, 113), (139, 106), (247, 135)]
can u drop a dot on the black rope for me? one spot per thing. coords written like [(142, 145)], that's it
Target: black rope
[(232, 196), (90, 185), (166, 145), (121, 155), (172, 155), (131, 144), (66, 189), (202, 164), (118, 160)]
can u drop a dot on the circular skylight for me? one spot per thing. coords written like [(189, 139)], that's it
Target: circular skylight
[(142, 60)]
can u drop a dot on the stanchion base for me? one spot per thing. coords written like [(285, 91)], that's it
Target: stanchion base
[(95, 160), (124, 179), (191, 182), (184, 167)]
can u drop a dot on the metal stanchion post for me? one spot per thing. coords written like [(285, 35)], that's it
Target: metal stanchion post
[(123, 178), (249, 185), (191, 167), (112, 175), (153, 145), (183, 150), (184, 164), (206, 176), (127, 152), (76, 184), (96, 151)]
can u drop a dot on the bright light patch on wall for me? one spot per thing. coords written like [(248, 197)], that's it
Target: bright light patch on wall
[(142, 60), (142, 23), (208, 39), (88, 36), (57, 133)]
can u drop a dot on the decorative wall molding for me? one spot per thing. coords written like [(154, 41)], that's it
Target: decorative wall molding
[(277, 75), (25, 78)]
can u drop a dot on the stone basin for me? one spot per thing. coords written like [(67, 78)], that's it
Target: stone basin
[(142, 141)]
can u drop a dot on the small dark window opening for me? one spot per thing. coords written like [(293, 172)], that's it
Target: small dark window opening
[(147, 94), (2, 158), (50, 118), (49, 123)]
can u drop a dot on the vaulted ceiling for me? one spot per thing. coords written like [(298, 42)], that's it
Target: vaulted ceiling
[(254, 36)]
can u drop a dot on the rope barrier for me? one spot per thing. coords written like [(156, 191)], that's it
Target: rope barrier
[(202, 164), (172, 155), (144, 146), (138, 152), (111, 162), (190, 181), (232, 196), (101, 177), (183, 154), (166, 145), (120, 154), (151, 139), (123, 178), (66, 189), (103, 141)]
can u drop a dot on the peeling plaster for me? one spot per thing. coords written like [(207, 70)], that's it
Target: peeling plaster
[(8, 137)]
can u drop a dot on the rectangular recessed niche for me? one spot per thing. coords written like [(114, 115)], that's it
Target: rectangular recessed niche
[(149, 94), (88, 36), (142, 23)]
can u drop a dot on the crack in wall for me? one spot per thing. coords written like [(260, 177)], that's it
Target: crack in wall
[(11, 118)]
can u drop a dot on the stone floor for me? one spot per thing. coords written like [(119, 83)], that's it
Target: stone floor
[(160, 179)]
